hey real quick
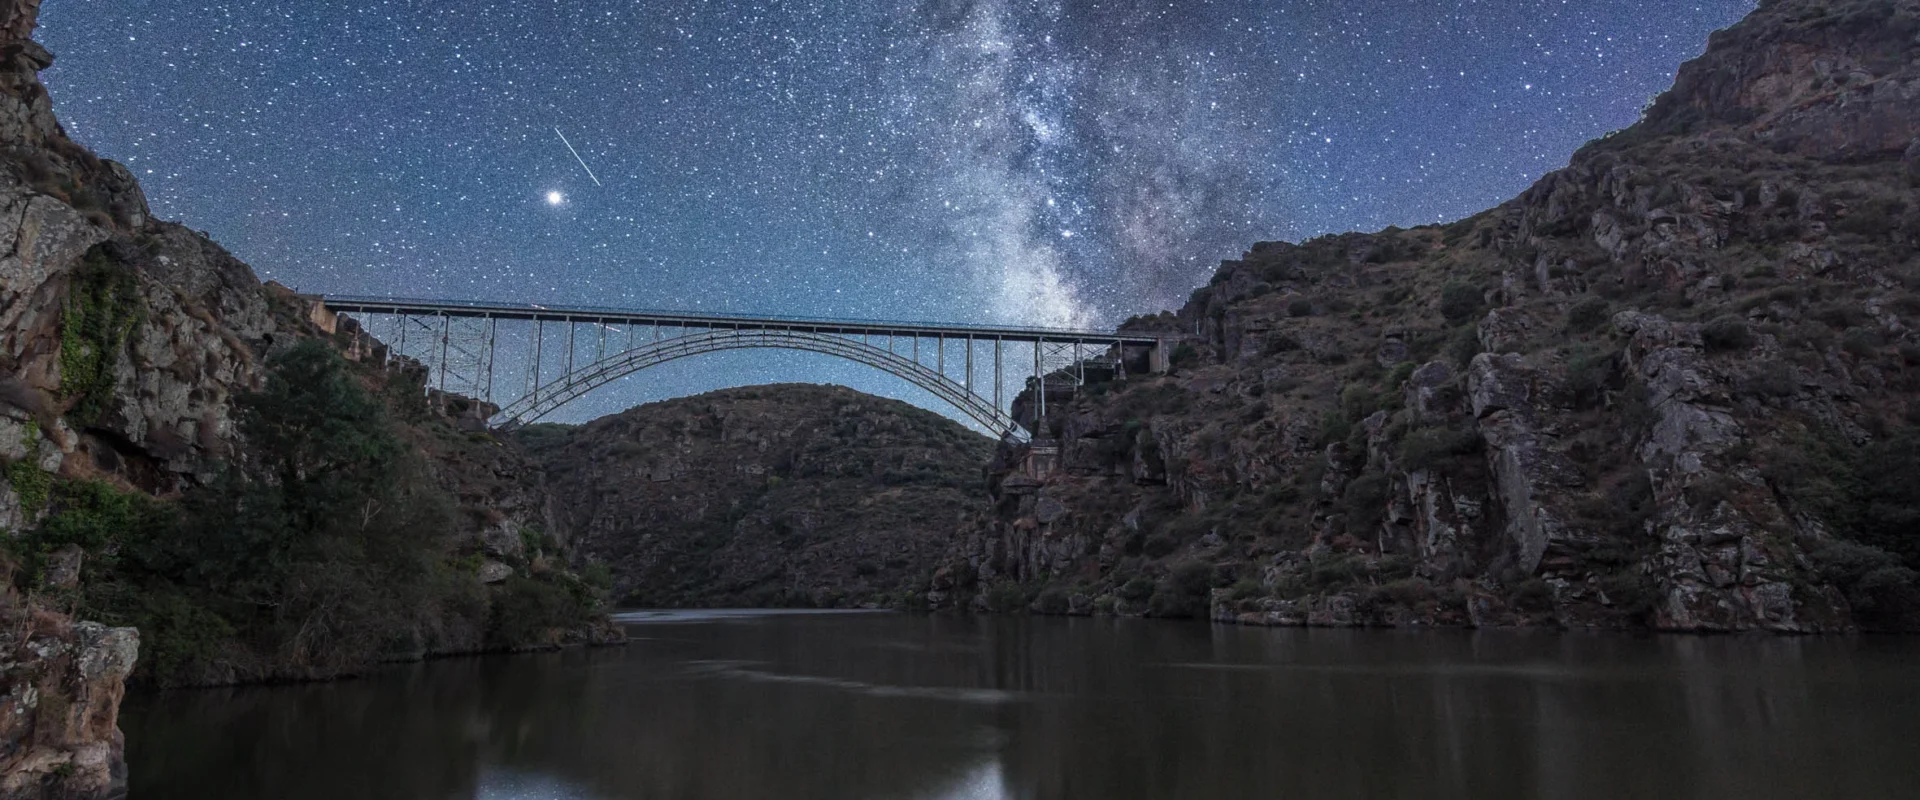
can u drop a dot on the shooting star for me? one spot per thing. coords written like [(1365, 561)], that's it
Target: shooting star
[(576, 154)]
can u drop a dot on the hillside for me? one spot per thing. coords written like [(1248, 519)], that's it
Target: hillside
[(789, 495), (1673, 385), (209, 467)]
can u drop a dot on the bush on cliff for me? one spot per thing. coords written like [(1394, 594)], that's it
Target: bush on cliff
[(323, 551)]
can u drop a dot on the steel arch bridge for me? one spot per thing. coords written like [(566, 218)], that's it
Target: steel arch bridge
[(509, 351)]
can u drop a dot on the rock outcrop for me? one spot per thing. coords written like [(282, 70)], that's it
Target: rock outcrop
[(60, 689), (787, 495), (125, 341), (1670, 385)]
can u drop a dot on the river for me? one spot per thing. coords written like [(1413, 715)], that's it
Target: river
[(857, 706)]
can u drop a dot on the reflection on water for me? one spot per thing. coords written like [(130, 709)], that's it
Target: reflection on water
[(851, 707)]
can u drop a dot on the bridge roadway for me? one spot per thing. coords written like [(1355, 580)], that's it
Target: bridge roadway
[(685, 319), (466, 361)]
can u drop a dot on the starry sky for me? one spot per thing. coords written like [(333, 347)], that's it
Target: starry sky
[(1047, 162)]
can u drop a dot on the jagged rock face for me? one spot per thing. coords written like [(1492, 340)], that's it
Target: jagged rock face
[(60, 689), (1664, 321), (778, 495)]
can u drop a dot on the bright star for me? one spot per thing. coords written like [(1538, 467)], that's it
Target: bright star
[(556, 198)]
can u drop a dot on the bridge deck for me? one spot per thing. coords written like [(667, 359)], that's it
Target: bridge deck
[(686, 319)]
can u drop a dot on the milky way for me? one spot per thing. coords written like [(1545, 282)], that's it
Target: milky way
[(1024, 161)]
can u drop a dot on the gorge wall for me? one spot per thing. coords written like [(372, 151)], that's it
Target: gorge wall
[(791, 495), (1675, 384), (147, 384)]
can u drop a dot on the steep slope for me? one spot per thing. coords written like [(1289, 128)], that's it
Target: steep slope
[(788, 495), (1671, 385), (147, 384)]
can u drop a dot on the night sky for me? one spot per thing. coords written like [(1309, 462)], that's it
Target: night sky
[(1018, 161)]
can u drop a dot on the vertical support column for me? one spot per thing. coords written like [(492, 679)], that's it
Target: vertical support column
[(446, 329), (998, 381), (403, 334), (539, 340), (601, 354), (493, 354), (1040, 380), (969, 381), (940, 341), (570, 326), (916, 348)]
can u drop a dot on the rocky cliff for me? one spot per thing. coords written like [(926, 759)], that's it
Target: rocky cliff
[(789, 495), (134, 354), (1671, 385)]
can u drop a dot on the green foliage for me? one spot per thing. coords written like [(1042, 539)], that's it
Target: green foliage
[(1868, 494), (532, 612), (102, 309), (1052, 601), (1430, 447), (30, 483), (1366, 500), (1861, 342), (1184, 355), (1867, 575), (323, 553), (1006, 597), (1771, 380), (1587, 315), (1588, 373), (1136, 589), (1463, 346), (1300, 308), (1633, 595), (1461, 302), (1726, 334)]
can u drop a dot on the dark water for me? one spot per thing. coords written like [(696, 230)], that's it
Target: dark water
[(850, 707)]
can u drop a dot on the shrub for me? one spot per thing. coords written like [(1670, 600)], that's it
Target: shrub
[(1429, 447), (1136, 589), (1006, 597), (1464, 345), (1365, 499), (1460, 302), (1861, 342), (1771, 380), (1588, 373), (1052, 601), (103, 308), (1160, 545), (1300, 308), (1866, 574), (1725, 334), (1333, 570), (1631, 593), (1533, 594), (1247, 589), (1587, 314)]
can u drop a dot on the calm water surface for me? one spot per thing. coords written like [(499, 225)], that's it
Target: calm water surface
[(859, 706)]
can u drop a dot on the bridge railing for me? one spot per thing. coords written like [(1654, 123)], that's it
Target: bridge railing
[(394, 305)]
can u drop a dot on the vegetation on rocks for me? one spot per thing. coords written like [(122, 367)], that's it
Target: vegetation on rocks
[(1670, 385), (103, 309), (765, 496), (325, 550)]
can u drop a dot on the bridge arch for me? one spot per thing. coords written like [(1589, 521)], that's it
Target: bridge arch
[(576, 384), (460, 344)]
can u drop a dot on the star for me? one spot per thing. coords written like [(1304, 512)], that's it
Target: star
[(992, 161)]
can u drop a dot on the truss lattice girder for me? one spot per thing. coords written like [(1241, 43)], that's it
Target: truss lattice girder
[(550, 396)]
